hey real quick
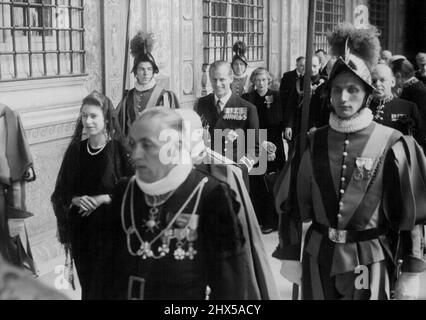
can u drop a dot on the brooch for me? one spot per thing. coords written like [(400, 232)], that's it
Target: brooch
[(268, 101), (364, 168)]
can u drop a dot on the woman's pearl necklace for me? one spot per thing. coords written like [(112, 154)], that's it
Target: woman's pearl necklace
[(97, 152)]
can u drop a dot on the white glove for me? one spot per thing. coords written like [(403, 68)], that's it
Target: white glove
[(16, 227), (292, 271), (408, 286)]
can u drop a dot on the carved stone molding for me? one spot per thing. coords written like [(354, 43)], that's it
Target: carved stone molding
[(50, 132)]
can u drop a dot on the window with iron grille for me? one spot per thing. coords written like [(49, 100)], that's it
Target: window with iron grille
[(379, 17), (328, 14), (41, 39), (226, 22)]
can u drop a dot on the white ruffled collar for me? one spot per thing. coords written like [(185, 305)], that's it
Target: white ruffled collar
[(149, 86), (357, 123), (171, 182)]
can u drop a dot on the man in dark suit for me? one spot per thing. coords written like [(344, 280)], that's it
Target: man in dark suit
[(233, 123), (394, 112), (318, 111), (412, 88), (288, 86)]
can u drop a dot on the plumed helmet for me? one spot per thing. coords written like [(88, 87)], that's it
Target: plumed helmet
[(140, 48), (358, 51), (240, 50), (355, 65)]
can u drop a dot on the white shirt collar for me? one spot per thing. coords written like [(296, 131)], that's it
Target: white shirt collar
[(223, 100)]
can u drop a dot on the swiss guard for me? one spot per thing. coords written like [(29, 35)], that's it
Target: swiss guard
[(362, 185), (147, 93)]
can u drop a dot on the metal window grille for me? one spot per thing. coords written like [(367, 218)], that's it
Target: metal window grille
[(41, 39), (226, 22), (379, 16), (328, 14)]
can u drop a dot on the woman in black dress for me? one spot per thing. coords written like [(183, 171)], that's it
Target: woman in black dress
[(268, 105), (89, 172)]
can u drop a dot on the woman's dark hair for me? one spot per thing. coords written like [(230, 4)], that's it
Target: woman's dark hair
[(112, 127)]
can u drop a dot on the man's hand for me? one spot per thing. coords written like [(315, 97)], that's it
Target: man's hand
[(408, 286), (288, 134), (292, 271)]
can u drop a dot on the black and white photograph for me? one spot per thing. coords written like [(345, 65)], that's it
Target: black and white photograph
[(212, 150)]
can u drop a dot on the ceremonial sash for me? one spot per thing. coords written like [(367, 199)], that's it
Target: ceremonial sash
[(156, 94), (356, 190)]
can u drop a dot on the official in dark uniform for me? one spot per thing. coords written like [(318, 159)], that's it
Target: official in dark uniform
[(393, 112), (229, 118), (412, 88), (288, 86)]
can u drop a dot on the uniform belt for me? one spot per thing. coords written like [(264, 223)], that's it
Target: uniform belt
[(347, 236)]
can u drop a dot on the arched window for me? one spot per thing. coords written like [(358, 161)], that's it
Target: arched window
[(41, 39)]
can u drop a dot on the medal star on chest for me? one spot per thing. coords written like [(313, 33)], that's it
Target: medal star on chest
[(152, 224)]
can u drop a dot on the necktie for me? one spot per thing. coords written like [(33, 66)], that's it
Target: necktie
[(218, 107)]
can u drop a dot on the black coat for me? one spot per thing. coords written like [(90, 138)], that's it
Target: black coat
[(420, 77), (416, 93), (238, 114), (403, 116), (270, 119), (318, 110), (287, 86), (218, 263)]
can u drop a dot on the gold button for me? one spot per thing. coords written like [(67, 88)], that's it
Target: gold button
[(345, 154), (342, 191), (345, 167), (339, 216), (343, 179), (346, 142)]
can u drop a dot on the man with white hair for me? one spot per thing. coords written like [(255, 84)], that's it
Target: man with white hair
[(394, 112), (260, 282), (172, 230)]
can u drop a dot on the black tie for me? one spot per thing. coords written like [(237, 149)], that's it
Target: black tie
[(218, 107)]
